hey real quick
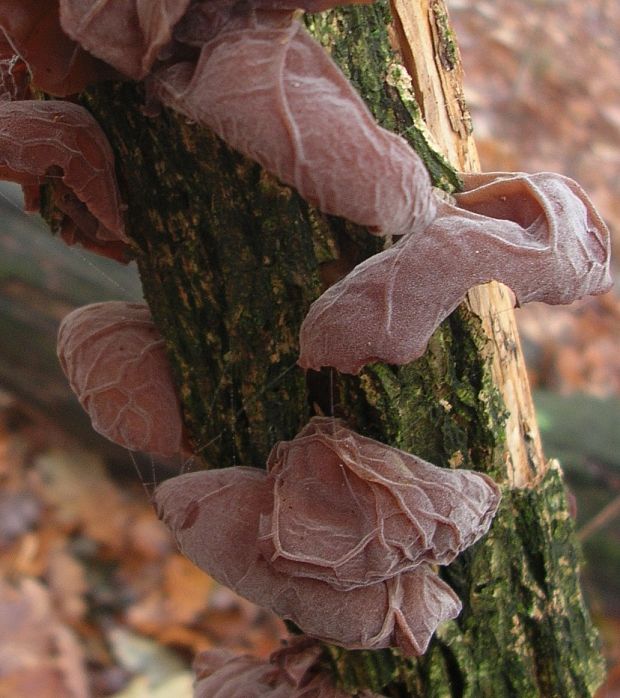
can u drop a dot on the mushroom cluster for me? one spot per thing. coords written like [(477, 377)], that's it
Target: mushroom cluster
[(267, 88), (339, 534)]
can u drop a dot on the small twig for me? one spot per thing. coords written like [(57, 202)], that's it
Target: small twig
[(607, 514)]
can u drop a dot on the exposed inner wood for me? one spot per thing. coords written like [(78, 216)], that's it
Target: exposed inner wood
[(422, 31)]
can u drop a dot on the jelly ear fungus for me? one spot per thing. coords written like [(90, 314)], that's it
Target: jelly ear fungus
[(14, 79), (213, 512), (539, 234), (293, 672), (61, 144), (114, 358), (350, 511), (268, 89), (127, 35)]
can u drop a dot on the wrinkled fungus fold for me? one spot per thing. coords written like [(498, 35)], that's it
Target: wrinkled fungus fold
[(539, 234), (60, 144), (306, 5), (115, 361), (267, 88), (214, 512), (352, 511), (221, 674), (127, 34)]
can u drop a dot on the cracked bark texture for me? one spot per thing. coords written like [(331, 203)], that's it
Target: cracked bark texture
[(230, 261)]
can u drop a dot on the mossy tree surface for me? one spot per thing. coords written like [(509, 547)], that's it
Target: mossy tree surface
[(230, 260)]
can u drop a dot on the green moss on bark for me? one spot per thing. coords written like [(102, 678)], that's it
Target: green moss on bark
[(357, 39)]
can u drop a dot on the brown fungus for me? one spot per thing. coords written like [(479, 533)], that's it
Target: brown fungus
[(352, 511), (539, 234), (57, 64), (127, 34), (214, 512), (306, 5), (221, 674), (272, 92), (114, 359), (61, 144)]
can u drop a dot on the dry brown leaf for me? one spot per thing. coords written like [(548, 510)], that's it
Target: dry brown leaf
[(76, 484), (38, 655), (67, 583)]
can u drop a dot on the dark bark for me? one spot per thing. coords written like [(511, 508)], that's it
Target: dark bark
[(230, 261)]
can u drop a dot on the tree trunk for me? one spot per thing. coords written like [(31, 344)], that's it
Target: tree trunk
[(230, 260), (41, 280)]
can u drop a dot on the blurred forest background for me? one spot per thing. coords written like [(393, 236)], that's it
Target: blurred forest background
[(94, 599)]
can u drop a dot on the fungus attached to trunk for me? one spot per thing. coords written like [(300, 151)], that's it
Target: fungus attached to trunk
[(272, 92), (114, 359), (352, 511), (363, 602), (57, 64), (306, 5), (538, 234), (221, 674), (61, 144)]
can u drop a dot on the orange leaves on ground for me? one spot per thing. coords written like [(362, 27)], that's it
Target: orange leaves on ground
[(87, 557)]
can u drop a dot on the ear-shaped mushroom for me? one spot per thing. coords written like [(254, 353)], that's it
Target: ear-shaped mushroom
[(114, 359), (57, 64), (272, 92), (401, 612), (127, 34), (352, 511), (538, 234), (60, 143)]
